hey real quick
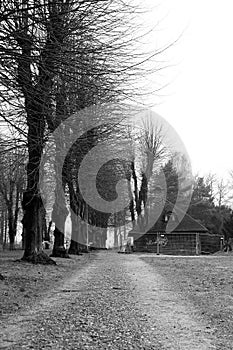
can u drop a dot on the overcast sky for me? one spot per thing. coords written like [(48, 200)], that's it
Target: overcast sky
[(199, 99)]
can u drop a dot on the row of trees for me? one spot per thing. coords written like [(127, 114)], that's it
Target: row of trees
[(60, 57), (12, 183), (210, 202), (57, 58)]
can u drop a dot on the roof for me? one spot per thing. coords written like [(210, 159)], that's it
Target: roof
[(186, 225)]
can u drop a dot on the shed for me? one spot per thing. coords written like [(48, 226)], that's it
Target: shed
[(189, 237)]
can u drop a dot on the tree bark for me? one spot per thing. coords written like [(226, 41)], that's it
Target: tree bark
[(5, 229), (2, 229), (13, 211), (136, 196), (32, 203), (47, 234), (59, 216), (37, 102), (74, 244), (11, 228), (60, 210)]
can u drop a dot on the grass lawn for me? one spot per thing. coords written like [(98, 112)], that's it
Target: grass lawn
[(206, 281), (24, 283)]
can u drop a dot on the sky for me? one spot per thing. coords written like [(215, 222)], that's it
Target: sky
[(198, 100)]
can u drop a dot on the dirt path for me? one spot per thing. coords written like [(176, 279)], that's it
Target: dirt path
[(115, 302), (176, 322)]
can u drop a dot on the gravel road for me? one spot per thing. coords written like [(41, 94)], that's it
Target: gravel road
[(116, 302)]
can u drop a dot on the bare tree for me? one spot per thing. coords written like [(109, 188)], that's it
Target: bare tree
[(151, 153), (12, 182), (223, 193), (44, 43), (3, 223)]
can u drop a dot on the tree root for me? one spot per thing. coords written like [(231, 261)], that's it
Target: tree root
[(74, 252), (60, 252), (39, 258)]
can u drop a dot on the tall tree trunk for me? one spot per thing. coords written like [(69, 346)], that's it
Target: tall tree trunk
[(36, 104), (103, 237), (5, 229), (115, 237), (59, 216), (47, 237), (131, 203), (32, 202), (47, 233), (36, 91), (23, 239), (83, 237), (11, 227), (60, 211), (143, 193), (136, 196), (2, 229), (75, 235), (13, 217)]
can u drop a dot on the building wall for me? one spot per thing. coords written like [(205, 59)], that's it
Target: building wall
[(210, 243), (179, 243), (174, 243)]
